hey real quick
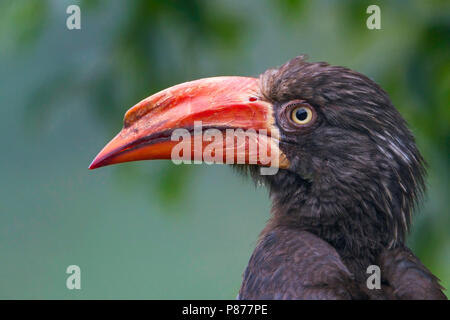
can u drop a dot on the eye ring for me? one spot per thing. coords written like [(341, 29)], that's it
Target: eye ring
[(302, 114), (289, 121)]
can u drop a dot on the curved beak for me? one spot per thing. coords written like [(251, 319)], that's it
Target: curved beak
[(221, 120)]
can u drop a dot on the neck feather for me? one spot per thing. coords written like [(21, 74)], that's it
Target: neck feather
[(359, 224)]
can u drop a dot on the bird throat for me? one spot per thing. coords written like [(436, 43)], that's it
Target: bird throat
[(355, 228)]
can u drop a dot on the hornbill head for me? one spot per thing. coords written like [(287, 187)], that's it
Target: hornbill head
[(343, 151)]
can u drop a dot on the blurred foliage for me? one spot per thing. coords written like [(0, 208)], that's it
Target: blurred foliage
[(28, 17), (150, 45), (133, 66)]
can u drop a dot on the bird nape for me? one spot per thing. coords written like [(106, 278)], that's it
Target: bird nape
[(349, 176)]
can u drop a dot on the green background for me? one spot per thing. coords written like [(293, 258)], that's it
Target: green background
[(153, 229)]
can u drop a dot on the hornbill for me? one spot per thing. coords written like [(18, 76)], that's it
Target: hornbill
[(349, 176)]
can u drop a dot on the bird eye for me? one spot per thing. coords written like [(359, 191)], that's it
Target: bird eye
[(302, 115), (296, 115)]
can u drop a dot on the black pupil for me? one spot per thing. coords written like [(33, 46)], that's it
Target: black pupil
[(301, 114)]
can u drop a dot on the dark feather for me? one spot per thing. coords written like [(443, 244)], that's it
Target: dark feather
[(347, 199)]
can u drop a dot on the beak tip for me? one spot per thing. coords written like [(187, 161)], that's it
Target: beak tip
[(96, 163), (92, 166)]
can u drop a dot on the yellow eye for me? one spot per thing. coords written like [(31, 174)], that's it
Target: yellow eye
[(302, 115)]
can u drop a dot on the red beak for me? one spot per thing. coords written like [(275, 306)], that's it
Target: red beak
[(219, 104)]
